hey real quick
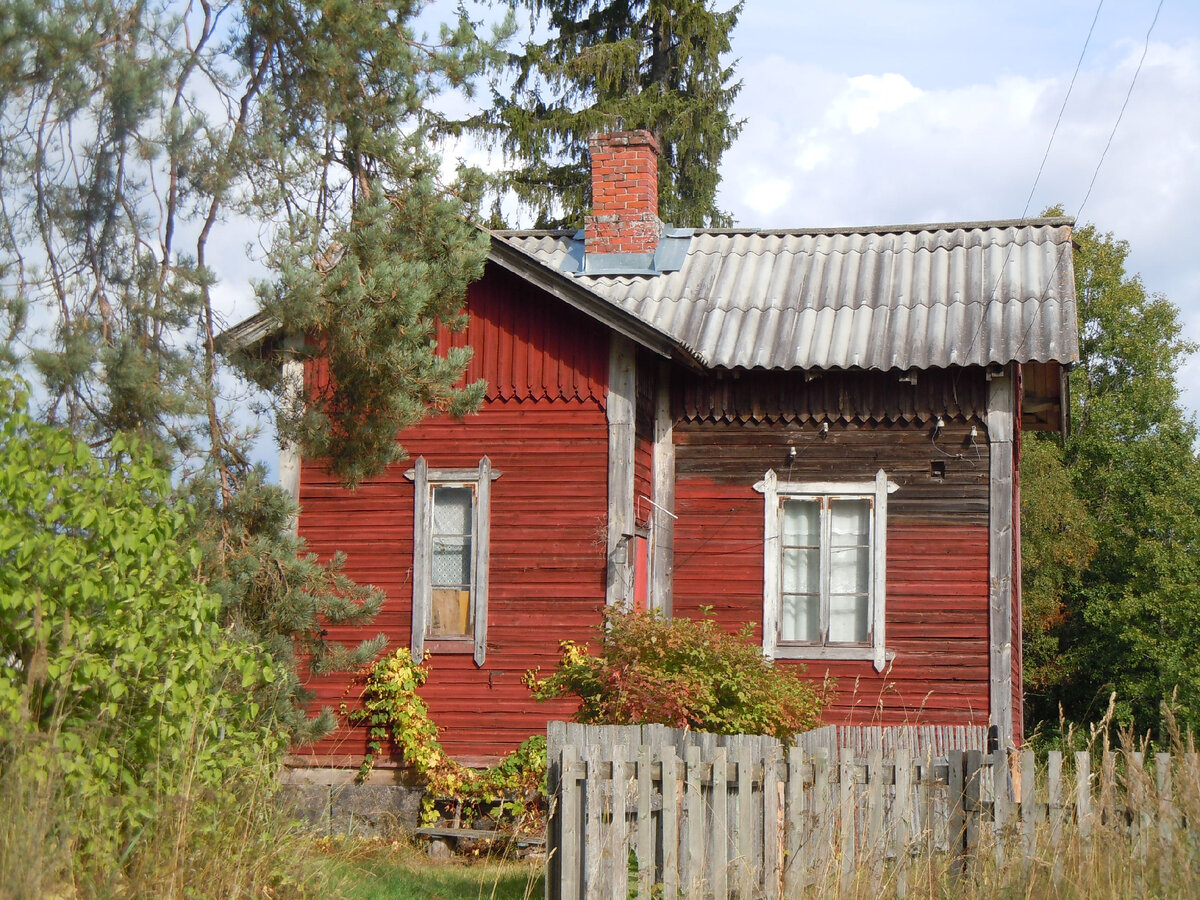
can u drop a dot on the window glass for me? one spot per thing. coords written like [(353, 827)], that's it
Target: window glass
[(841, 530), (450, 613), (800, 618)]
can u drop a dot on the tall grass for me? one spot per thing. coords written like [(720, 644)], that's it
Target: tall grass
[(1141, 843), (197, 841)]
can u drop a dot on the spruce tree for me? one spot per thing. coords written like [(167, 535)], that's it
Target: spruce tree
[(138, 144), (619, 64)]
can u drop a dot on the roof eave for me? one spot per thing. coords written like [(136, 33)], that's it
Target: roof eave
[(591, 304)]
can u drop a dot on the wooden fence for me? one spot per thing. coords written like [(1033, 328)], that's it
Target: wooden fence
[(669, 813)]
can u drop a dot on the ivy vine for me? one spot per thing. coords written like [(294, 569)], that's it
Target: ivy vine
[(510, 794)]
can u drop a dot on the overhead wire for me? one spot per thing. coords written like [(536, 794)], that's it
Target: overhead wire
[(1121, 114)]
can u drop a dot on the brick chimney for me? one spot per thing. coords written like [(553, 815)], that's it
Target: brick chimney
[(624, 215)]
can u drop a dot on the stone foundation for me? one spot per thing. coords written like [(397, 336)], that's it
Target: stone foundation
[(331, 803)]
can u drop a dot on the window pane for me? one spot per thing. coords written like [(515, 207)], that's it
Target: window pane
[(452, 510), (850, 522), (450, 613), (847, 619), (801, 522), (849, 569), (801, 569), (800, 618), (451, 562)]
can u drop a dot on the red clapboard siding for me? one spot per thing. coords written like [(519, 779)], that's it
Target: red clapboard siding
[(937, 620), (530, 346), (546, 563), (543, 426)]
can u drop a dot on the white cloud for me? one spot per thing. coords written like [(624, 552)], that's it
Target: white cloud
[(859, 147), (866, 99)]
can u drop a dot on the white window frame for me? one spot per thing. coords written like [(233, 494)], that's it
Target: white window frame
[(424, 481), (775, 492)]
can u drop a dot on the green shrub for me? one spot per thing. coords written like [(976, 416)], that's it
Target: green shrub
[(114, 671), (687, 673)]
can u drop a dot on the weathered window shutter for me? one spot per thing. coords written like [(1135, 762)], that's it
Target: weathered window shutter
[(422, 558), (483, 504)]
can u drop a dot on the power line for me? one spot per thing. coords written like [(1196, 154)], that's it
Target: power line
[(1037, 178), (1063, 108), (1121, 114)]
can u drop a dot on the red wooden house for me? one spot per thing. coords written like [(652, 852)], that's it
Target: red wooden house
[(816, 431)]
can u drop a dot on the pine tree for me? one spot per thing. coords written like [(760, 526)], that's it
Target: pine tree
[(140, 138), (619, 64)]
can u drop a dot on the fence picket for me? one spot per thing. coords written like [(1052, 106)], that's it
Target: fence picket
[(1028, 806), (670, 820), (569, 851), (874, 843), (1083, 795), (719, 856), (902, 813), (1054, 809), (772, 832), (618, 857), (847, 810), (795, 870), (745, 866), (736, 817)]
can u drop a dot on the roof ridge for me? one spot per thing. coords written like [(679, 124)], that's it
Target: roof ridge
[(969, 225), (982, 225)]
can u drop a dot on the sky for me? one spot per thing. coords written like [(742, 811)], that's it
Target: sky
[(872, 112)]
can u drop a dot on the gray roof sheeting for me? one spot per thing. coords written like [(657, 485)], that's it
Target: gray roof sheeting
[(895, 297)]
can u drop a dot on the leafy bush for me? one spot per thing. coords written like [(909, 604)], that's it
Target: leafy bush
[(114, 671), (512, 792), (687, 673)]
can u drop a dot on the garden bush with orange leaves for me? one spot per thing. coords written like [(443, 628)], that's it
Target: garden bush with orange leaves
[(686, 673)]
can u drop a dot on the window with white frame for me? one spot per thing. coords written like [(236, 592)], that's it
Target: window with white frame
[(824, 568), (450, 557)]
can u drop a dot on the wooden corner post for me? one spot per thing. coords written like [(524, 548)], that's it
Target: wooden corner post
[(622, 393), (1000, 423)]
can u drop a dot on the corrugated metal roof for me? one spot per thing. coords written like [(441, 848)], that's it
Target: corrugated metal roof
[(893, 297)]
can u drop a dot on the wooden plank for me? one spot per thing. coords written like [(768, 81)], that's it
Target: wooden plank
[(618, 855), (1054, 809), (1166, 815), (646, 866), (1000, 415), (744, 867), (594, 848), (1028, 806), (556, 733), (1001, 806), (663, 535), (823, 812), (1139, 806), (875, 847), (568, 883), (719, 857), (694, 809), (622, 395), (973, 805), (957, 798), (670, 820), (772, 794), (847, 811), (1083, 796), (1108, 783), (902, 818), (795, 869)]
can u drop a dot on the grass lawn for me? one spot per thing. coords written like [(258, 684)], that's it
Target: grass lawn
[(401, 872)]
